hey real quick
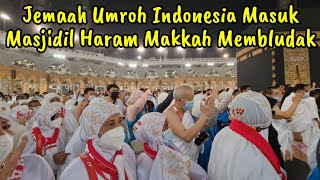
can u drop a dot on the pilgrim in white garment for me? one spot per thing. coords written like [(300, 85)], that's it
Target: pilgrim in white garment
[(302, 121), (46, 137), (106, 155), (149, 131), (29, 166), (241, 151)]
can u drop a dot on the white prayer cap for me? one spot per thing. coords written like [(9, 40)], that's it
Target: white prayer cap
[(149, 127), (94, 115), (252, 108)]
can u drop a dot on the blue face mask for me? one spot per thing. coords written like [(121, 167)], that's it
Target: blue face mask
[(188, 106)]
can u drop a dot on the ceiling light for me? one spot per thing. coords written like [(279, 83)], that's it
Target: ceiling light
[(225, 55), (188, 65), (199, 49), (139, 57), (120, 64), (133, 65), (145, 65), (141, 49), (230, 64), (210, 64), (180, 49), (5, 17)]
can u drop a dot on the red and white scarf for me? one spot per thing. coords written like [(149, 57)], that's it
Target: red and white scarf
[(255, 138), (97, 165), (17, 173), (43, 143)]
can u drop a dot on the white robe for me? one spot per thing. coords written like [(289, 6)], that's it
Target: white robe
[(189, 149), (77, 170), (170, 164), (120, 106), (311, 104), (76, 146), (145, 165), (36, 168), (235, 158), (61, 143), (312, 153), (301, 120)]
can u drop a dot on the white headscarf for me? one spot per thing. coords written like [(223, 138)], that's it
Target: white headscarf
[(162, 97), (48, 97), (42, 118), (94, 115), (223, 100), (252, 108), (149, 128), (20, 110)]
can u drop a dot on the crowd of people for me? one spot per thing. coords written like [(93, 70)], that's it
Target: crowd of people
[(226, 134)]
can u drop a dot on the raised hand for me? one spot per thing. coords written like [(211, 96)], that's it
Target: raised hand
[(11, 162), (60, 157), (207, 107)]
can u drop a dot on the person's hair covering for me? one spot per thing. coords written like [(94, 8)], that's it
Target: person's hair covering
[(163, 106), (21, 109), (149, 127), (135, 95), (94, 115), (162, 97), (5, 116), (197, 99), (42, 118), (252, 108), (48, 97)]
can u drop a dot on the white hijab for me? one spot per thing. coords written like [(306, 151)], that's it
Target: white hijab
[(48, 97), (92, 118), (233, 156)]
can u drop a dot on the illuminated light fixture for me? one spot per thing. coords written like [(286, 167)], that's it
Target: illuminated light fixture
[(180, 49), (39, 28), (210, 64), (187, 65), (76, 37), (139, 57), (225, 55), (145, 65), (220, 49), (161, 49), (140, 49), (199, 49), (59, 56), (121, 49), (230, 64), (133, 65), (120, 64), (4, 16)]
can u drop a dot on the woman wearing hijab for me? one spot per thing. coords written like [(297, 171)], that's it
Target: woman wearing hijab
[(29, 166), (46, 137), (154, 162), (106, 155), (135, 110), (241, 151)]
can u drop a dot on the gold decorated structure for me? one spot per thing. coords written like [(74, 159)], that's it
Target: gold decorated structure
[(13, 78)]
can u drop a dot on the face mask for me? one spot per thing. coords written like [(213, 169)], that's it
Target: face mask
[(18, 101), (71, 96), (168, 137), (278, 98), (6, 146), (306, 95), (112, 139), (35, 109), (188, 106), (57, 122), (91, 97), (114, 95)]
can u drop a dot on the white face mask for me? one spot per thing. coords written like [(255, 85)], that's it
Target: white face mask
[(6, 146), (112, 139), (91, 97), (35, 109), (57, 122)]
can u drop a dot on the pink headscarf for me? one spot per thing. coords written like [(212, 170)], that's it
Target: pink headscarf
[(136, 94)]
